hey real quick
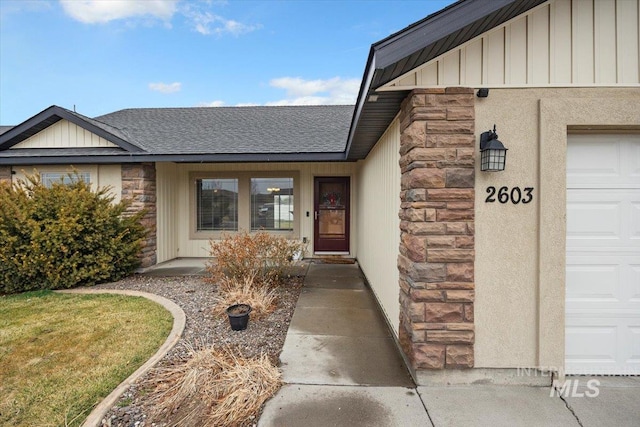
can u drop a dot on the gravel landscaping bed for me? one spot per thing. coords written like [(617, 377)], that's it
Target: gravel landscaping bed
[(202, 329)]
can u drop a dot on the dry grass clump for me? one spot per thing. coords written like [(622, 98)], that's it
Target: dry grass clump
[(244, 291), (213, 388)]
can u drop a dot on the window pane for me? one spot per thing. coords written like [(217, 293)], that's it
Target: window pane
[(217, 204), (272, 204), (49, 178)]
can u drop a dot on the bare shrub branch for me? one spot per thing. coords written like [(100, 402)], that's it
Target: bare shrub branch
[(264, 256)]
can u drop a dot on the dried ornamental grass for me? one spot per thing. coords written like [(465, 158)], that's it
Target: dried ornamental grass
[(233, 291), (213, 388)]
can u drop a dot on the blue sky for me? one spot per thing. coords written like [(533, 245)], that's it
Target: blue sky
[(105, 55)]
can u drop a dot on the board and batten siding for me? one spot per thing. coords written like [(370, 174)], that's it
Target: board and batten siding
[(167, 190), (378, 199), (64, 134), (174, 206), (559, 43), (100, 175)]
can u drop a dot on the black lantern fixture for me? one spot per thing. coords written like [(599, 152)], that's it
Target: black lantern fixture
[(492, 152)]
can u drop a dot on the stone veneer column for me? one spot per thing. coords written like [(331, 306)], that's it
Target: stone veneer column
[(5, 174), (437, 228), (139, 186)]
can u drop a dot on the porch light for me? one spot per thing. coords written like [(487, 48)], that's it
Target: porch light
[(493, 154)]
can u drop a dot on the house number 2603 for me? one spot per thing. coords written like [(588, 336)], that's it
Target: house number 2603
[(504, 195)]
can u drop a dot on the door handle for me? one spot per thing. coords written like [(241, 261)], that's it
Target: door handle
[(315, 215)]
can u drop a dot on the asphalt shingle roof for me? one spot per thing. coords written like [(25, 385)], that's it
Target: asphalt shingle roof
[(234, 130), (104, 126)]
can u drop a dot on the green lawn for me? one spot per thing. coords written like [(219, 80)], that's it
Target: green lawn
[(61, 354)]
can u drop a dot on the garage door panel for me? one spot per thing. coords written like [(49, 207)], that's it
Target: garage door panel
[(634, 233), (634, 357), (593, 342), (602, 322), (603, 218), (603, 279), (589, 344), (588, 159), (601, 346), (633, 160), (594, 281), (593, 220), (603, 161), (634, 280)]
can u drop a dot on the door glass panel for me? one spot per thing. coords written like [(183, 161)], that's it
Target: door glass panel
[(332, 215), (332, 224), (331, 195)]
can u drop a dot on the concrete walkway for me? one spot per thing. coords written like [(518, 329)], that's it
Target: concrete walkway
[(342, 368), (178, 267), (339, 360)]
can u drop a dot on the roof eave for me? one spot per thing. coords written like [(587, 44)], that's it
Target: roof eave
[(177, 158), (386, 55)]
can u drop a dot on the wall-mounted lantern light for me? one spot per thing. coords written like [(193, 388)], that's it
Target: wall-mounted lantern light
[(492, 153)]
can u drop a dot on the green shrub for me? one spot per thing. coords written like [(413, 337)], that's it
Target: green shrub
[(261, 255), (64, 236)]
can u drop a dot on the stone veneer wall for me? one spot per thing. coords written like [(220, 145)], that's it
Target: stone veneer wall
[(436, 258), (5, 174), (139, 186)]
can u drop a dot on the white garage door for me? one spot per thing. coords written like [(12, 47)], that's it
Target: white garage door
[(603, 255)]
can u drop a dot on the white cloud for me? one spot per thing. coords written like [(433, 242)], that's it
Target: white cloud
[(303, 100), (209, 23), (211, 104), (196, 13), (335, 91), (166, 87), (316, 92), (101, 11)]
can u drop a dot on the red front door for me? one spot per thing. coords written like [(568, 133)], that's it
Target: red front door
[(331, 205)]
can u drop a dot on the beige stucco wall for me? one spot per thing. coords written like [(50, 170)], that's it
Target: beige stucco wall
[(520, 249), (378, 197), (101, 175), (174, 204)]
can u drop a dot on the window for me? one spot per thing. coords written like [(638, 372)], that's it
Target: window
[(272, 204), (49, 178), (217, 204), (235, 201)]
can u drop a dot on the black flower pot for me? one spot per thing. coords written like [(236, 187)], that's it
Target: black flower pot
[(239, 316)]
